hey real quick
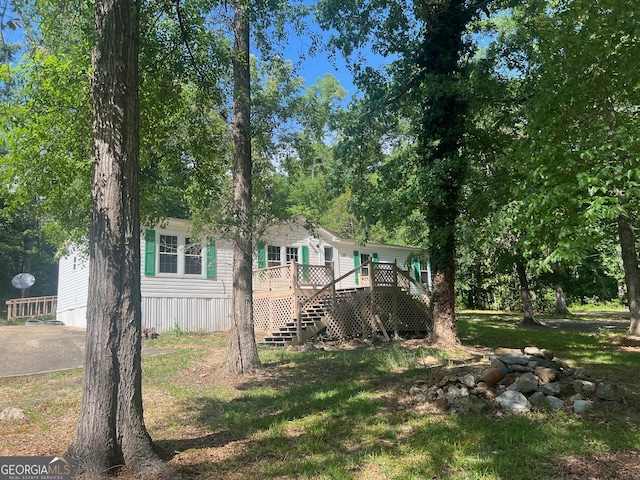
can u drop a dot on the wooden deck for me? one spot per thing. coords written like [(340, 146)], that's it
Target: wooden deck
[(296, 302)]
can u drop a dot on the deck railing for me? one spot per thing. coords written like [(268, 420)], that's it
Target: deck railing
[(31, 307), (293, 276), (305, 284)]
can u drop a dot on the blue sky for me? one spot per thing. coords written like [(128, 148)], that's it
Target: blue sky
[(312, 68)]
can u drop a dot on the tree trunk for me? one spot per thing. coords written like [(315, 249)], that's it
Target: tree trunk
[(440, 134), (111, 431), (558, 293), (27, 248), (28, 243), (604, 292), (243, 351), (528, 317), (444, 332), (631, 276)]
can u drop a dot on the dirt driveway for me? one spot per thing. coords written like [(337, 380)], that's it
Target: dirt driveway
[(25, 350), (29, 350)]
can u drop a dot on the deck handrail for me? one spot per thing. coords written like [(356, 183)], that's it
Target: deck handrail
[(31, 306), (292, 275), (371, 265)]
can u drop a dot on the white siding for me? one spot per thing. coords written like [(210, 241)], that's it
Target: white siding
[(188, 302), (294, 235), (386, 254), (73, 286), (187, 314), (189, 286)]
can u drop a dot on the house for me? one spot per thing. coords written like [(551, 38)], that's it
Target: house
[(186, 282)]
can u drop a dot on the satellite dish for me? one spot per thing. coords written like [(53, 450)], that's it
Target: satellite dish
[(23, 280)]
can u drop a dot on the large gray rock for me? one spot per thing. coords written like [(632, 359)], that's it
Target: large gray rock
[(554, 403), (584, 386), (514, 359), (528, 383), (537, 399), (513, 402), (605, 392), (551, 388), (581, 406)]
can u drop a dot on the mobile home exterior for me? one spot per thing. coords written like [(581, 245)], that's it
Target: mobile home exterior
[(186, 282)]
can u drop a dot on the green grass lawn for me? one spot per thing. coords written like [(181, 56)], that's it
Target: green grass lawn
[(345, 413)]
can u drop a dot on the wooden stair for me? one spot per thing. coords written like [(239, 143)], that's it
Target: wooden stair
[(312, 324)]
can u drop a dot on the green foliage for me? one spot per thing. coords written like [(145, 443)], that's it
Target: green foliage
[(47, 127), (582, 119), (46, 139), (562, 168)]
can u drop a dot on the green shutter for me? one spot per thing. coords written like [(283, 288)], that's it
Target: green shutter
[(212, 265), (356, 264), (416, 271), (262, 255), (305, 261), (374, 257), (150, 252)]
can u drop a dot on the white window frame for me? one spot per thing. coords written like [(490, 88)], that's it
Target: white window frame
[(328, 262), (364, 262), (189, 247), (291, 255), (274, 249), (181, 254)]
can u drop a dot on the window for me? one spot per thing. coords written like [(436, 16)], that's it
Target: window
[(292, 255), (273, 256), (424, 278), (168, 254), (178, 255), (328, 256), (192, 257), (364, 261)]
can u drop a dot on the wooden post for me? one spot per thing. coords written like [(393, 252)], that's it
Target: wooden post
[(294, 276), (394, 301), (299, 321), (297, 307), (333, 286), (372, 301)]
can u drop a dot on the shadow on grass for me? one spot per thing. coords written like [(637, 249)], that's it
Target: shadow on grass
[(336, 415)]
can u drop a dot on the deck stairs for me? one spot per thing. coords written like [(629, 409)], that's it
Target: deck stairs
[(318, 311), (312, 324)]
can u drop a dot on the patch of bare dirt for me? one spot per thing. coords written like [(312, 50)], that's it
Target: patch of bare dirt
[(601, 467)]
